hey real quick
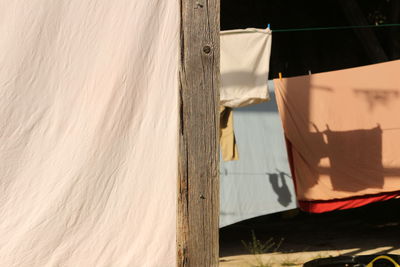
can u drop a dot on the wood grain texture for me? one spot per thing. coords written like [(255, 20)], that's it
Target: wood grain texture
[(198, 183)]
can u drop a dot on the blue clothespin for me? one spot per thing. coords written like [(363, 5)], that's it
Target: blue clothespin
[(269, 26)]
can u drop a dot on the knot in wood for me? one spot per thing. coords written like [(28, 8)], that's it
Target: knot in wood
[(207, 49), (199, 5)]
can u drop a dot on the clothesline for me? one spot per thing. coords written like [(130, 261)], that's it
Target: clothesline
[(336, 28)]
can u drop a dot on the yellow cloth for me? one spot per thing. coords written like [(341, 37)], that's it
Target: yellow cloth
[(226, 135)]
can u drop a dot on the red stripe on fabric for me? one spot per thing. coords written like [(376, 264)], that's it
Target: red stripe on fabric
[(343, 204), (335, 204)]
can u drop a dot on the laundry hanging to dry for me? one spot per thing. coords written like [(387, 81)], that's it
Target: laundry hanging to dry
[(343, 134), (244, 78), (260, 182)]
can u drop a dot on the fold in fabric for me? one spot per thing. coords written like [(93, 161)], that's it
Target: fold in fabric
[(344, 134), (88, 132)]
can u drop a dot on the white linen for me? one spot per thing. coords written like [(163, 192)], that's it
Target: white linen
[(244, 66), (88, 132)]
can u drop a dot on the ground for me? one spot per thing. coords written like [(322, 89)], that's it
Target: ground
[(298, 237)]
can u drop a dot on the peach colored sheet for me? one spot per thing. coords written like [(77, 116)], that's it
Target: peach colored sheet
[(88, 132), (344, 130)]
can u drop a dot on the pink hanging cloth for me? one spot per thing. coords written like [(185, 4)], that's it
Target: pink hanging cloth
[(343, 134)]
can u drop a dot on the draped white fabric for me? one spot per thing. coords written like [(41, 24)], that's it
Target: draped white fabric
[(88, 132), (244, 66)]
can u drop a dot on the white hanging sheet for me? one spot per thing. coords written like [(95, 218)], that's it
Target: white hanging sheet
[(88, 132), (244, 66)]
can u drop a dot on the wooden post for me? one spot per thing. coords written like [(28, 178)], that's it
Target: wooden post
[(198, 182)]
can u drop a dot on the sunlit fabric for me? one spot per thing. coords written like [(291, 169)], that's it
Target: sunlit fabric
[(88, 132), (343, 130)]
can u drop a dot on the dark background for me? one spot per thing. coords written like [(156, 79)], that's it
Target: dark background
[(295, 53)]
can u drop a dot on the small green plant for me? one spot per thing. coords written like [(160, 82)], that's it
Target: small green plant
[(257, 247), (290, 260)]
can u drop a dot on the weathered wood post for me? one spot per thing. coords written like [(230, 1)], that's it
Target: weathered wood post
[(198, 182)]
